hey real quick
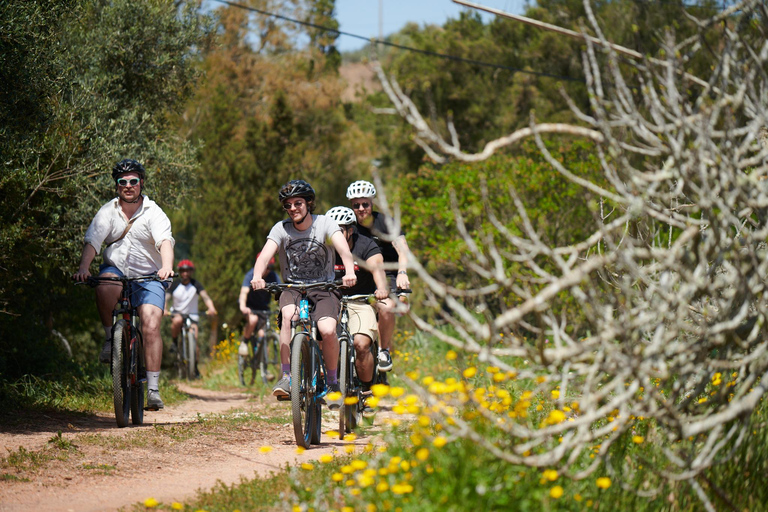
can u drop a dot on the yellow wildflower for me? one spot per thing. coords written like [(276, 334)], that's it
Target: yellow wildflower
[(556, 492), (604, 482)]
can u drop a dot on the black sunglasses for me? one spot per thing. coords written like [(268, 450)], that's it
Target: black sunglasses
[(296, 204), (123, 182), (361, 206)]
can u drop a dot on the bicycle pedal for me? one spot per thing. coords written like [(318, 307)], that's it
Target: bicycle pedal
[(366, 393), (284, 398)]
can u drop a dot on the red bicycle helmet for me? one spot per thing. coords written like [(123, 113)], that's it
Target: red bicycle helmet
[(186, 265)]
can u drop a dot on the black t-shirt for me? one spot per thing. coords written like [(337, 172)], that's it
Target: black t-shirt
[(259, 299), (363, 249), (379, 227)]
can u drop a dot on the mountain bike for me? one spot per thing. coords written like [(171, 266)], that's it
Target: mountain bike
[(349, 383), (186, 347), (128, 368), (307, 367), (263, 354)]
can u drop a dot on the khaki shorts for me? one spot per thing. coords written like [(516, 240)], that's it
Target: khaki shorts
[(362, 320)]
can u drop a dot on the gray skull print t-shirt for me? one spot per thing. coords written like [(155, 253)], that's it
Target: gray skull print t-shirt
[(306, 256)]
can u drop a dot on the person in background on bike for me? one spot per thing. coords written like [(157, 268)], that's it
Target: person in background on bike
[(182, 299), (139, 243), (371, 279), (250, 301), (306, 244), (394, 250)]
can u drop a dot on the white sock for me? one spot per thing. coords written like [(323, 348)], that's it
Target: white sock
[(107, 331), (153, 379)]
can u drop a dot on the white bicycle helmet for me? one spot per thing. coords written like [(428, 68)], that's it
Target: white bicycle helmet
[(342, 215), (361, 189)]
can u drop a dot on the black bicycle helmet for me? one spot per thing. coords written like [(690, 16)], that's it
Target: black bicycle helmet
[(127, 165), (297, 188)]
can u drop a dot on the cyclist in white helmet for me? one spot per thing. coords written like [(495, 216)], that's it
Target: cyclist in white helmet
[(371, 279), (394, 250)]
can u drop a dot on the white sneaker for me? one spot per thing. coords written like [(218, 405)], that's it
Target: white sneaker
[(154, 402), (243, 350), (385, 361)]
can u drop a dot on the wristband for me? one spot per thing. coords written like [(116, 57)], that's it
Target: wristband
[(402, 272)]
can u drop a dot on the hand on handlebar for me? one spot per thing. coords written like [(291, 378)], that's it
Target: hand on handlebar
[(165, 273), (81, 275), (381, 294), (244, 310), (258, 284)]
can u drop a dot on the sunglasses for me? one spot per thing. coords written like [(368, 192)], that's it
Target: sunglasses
[(361, 206), (123, 182), (297, 205)]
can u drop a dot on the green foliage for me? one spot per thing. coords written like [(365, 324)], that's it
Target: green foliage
[(558, 209), (84, 84), (258, 125)]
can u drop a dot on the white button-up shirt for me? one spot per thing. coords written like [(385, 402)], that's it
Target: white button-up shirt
[(138, 252)]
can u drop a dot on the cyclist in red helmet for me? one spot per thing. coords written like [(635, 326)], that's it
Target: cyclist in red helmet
[(139, 242), (182, 299)]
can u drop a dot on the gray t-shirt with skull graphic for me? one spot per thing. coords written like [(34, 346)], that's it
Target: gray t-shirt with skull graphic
[(306, 256)]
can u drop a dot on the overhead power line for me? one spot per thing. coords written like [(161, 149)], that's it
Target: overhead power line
[(399, 46)]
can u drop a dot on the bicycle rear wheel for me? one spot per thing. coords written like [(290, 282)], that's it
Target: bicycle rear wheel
[(121, 388), (303, 402)]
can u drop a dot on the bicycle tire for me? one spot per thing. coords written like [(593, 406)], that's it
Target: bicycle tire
[(246, 370), (181, 354), (191, 353), (121, 389), (272, 354), (303, 406), (260, 359), (344, 383), (317, 432), (137, 391)]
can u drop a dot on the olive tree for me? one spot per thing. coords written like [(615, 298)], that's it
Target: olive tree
[(672, 283)]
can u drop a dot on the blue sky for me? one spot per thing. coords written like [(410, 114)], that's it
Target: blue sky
[(362, 16)]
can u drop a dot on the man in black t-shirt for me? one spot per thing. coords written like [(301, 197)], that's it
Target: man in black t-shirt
[(370, 280), (251, 302), (394, 250)]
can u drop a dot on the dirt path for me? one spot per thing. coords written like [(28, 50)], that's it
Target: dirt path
[(169, 458)]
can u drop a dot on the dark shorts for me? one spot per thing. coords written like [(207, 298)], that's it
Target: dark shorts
[(326, 303), (149, 292)]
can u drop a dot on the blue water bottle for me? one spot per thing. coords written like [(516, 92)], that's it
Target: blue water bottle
[(304, 309)]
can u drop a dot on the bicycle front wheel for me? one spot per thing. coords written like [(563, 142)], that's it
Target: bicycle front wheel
[(246, 370), (137, 388), (344, 384), (191, 354), (121, 386), (303, 402)]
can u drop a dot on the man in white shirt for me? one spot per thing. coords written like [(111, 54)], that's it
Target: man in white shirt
[(139, 242)]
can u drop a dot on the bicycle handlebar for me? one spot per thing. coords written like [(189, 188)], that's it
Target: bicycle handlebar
[(303, 287), (94, 281)]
